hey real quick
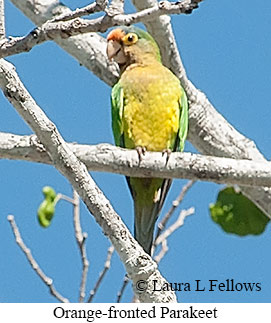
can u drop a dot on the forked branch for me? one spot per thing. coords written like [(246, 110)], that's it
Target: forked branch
[(48, 281)]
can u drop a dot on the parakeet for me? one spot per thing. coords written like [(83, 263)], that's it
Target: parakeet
[(149, 112)]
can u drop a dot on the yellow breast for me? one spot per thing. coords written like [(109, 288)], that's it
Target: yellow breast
[(151, 107)]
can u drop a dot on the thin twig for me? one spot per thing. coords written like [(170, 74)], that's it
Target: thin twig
[(48, 281), (102, 274), (175, 204), (97, 6), (121, 291), (163, 251), (65, 29), (80, 238), (65, 198), (174, 226), (164, 221), (2, 20)]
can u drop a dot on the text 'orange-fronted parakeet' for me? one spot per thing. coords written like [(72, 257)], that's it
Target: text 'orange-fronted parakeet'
[(149, 111)]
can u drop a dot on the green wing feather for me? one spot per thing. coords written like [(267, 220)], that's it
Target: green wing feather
[(183, 127), (117, 111)]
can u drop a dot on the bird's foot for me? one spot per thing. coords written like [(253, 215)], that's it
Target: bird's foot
[(141, 152), (168, 153)]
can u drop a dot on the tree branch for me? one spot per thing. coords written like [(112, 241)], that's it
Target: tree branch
[(183, 214), (122, 289), (162, 224), (48, 281), (88, 49), (162, 233), (162, 252), (81, 242), (2, 21), (138, 264), (97, 6), (163, 236), (102, 274), (209, 132), (108, 158), (116, 8), (63, 29)]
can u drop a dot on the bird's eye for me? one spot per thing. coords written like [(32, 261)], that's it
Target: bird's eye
[(130, 39)]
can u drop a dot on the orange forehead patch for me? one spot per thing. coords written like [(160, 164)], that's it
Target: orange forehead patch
[(116, 34)]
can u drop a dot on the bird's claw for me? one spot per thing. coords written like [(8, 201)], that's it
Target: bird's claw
[(168, 153), (141, 152)]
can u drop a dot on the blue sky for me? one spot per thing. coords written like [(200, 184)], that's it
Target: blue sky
[(226, 49)]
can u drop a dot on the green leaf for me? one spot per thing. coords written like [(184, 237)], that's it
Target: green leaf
[(237, 214), (46, 209)]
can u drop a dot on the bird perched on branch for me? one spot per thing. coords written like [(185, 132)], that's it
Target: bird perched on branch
[(149, 112)]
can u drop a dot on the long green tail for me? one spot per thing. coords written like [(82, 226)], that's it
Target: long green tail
[(149, 195)]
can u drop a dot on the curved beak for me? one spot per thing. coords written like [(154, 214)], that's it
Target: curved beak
[(113, 47), (115, 52)]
